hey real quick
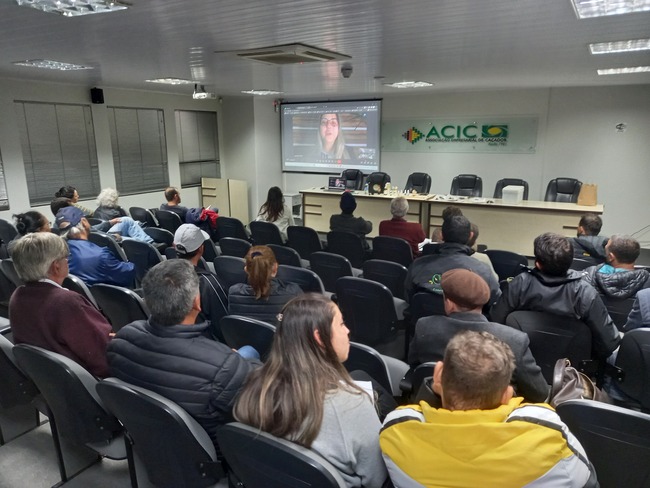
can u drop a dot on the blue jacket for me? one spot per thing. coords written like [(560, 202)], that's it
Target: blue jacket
[(95, 264)]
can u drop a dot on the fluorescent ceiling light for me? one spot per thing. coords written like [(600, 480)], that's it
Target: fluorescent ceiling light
[(74, 8), (48, 64), (409, 84), (620, 46), (586, 9), (262, 92), (624, 71), (171, 81)]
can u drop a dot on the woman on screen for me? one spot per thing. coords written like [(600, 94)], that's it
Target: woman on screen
[(331, 140)]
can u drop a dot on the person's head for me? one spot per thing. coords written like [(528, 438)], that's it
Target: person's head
[(476, 372), (171, 292), (553, 253), (41, 255), (399, 207), (590, 225), (464, 291), (72, 222), (622, 250), (273, 208), (310, 339), (348, 203), (436, 234), (260, 267), (108, 198), (473, 236), (456, 229), (172, 195), (188, 242), (68, 192), (58, 203), (31, 221), (451, 211), (331, 140)]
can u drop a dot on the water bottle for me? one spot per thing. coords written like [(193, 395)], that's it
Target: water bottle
[(365, 188), (387, 189)]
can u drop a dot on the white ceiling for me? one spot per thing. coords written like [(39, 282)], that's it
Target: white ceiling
[(456, 44)]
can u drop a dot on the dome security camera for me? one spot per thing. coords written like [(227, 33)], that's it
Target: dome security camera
[(346, 71)]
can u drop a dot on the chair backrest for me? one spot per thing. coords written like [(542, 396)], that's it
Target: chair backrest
[(233, 246), (158, 234), (553, 337), (7, 231), (306, 279), (120, 306), (424, 303), (414, 378), (285, 255), (231, 227), (173, 448), (501, 184), (9, 270), (467, 186), (388, 273), (143, 255), (377, 182), (616, 440), (506, 264), (305, 240), (15, 387), (634, 359), (368, 310), (143, 215), (230, 270), (420, 182), (348, 245), (618, 308), (76, 284), (94, 221), (392, 249), (241, 331), (168, 220), (431, 248), (210, 251), (578, 264), (265, 233), (259, 459), (365, 358), (563, 190), (353, 179), (330, 267), (104, 240)]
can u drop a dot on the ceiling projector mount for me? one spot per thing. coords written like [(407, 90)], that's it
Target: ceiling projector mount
[(201, 94)]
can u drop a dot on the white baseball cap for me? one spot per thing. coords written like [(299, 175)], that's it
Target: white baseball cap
[(188, 238)]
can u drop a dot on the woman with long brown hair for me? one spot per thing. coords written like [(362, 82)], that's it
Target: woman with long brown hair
[(276, 212)]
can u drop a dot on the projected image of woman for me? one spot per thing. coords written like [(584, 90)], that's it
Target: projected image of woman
[(331, 140)]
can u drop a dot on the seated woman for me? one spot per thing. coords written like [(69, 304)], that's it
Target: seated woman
[(30, 222), (116, 220), (264, 295), (304, 394), (275, 211)]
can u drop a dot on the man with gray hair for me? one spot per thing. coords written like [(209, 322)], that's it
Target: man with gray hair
[(44, 314), (398, 226), (171, 355)]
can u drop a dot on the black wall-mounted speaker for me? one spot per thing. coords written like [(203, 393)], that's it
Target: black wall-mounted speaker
[(97, 95)]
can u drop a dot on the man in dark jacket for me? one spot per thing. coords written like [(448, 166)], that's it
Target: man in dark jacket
[(171, 355), (465, 293), (552, 287), (347, 222), (588, 244), (173, 197)]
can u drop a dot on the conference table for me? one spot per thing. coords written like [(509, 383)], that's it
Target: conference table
[(502, 225)]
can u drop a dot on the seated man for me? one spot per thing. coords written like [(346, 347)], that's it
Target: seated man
[(465, 293), (552, 287), (90, 262), (170, 353), (640, 314), (425, 272), (588, 244), (188, 241), (173, 198), (398, 226), (44, 314), (618, 278), (482, 436), (347, 222)]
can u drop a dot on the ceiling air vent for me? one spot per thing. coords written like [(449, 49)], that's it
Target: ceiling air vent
[(291, 54)]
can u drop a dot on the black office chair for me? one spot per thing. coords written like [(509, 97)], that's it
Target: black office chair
[(616, 440), (377, 182), (174, 449), (507, 264), (618, 308), (9, 270), (241, 331), (286, 255), (259, 459), (231, 227), (431, 248), (143, 215), (306, 279), (233, 246), (329, 268), (420, 182), (579, 264), (392, 249), (467, 186), (143, 255), (230, 270), (119, 305), (424, 304), (353, 179), (104, 240), (76, 284), (634, 360), (210, 251), (553, 337), (168, 220), (563, 190), (364, 358), (369, 313), (348, 245), (160, 235), (388, 273), (7, 231), (304, 240), (265, 233), (501, 184), (412, 381)]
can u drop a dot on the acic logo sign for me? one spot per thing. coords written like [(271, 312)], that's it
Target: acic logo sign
[(495, 134)]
